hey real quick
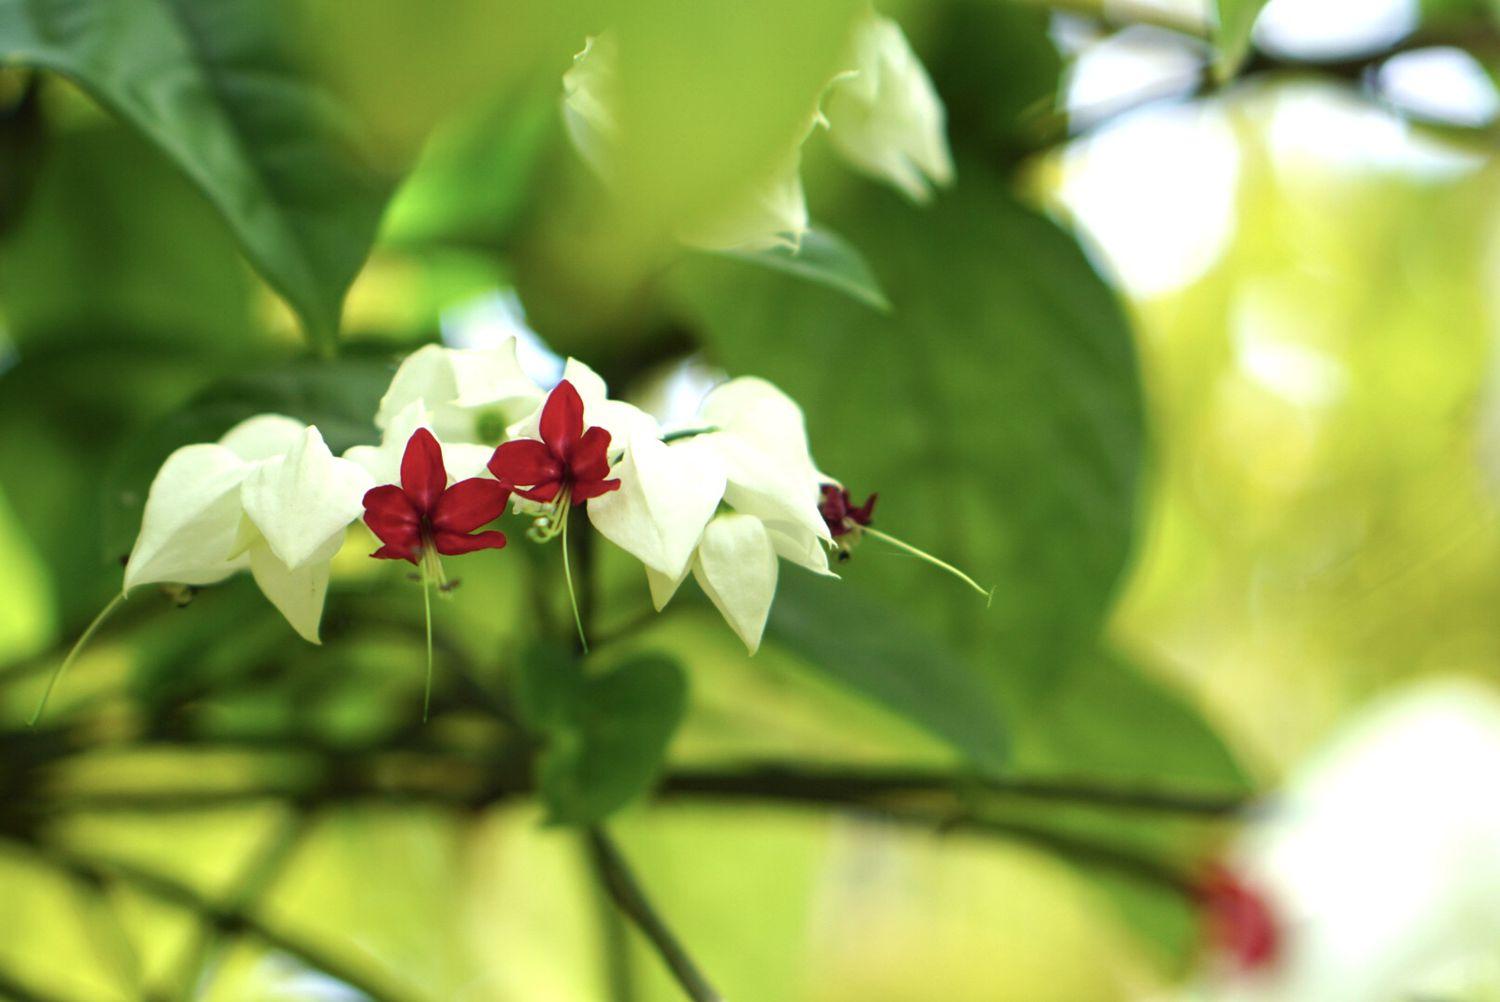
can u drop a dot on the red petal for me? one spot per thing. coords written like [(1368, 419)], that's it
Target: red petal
[(524, 462), (545, 491), (590, 459), (454, 543), (389, 514), (395, 553), (422, 473), (562, 420), (585, 489), (863, 512), (469, 504)]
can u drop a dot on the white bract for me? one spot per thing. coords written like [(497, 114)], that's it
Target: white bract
[(723, 503), (758, 451), (383, 462), (885, 117), (882, 113), (773, 213), (1380, 864), (457, 387), (268, 496)]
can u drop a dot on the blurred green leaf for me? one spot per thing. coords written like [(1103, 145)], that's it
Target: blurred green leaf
[(213, 84), (1232, 36), (605, 736), (93, 256), (477, 174), (998, 71), (824, 258), (869, 648), (997, 411)]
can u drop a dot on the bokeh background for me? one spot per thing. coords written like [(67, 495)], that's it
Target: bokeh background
[(1196, 362)]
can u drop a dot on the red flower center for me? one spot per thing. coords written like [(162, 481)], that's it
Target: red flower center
[(1237, 921), (839, 513), (425, 512), (568, 457)]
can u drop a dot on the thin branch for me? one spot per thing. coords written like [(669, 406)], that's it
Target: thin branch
[(857, 787), (614, 873), (259, 875), (228, 920)]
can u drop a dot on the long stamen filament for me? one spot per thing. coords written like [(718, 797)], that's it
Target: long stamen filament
[(566, 511), (77, 649), (428, 559), (988, 593)]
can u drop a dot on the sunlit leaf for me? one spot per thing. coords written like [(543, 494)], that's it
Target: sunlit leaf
[(214, 86)]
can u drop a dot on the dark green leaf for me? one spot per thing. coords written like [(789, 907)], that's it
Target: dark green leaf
[(214, 86), (996, 410), (998, 71), (824, 258), (605, 736), (871, 649)]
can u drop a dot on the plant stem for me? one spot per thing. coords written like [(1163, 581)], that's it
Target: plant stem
[(427, 613), (77, 649), (627, 895), (988, 593), (567, 516), (225, 918), (615, 943)]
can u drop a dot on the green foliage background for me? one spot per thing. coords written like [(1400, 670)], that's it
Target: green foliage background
[(213, 209)]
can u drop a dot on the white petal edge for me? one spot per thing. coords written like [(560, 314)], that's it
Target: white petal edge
[(297, 593), (191, 519)]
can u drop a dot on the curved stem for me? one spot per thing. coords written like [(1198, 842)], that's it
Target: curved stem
[(988, 593), (77, 649), (567, 516), (628, 896), (427, 612)]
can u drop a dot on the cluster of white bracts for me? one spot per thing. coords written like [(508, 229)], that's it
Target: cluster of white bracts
[(881, 112), (723, 503)]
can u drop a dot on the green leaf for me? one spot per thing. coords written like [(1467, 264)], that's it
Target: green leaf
[(996, 410), (605, 736), (1232, 37), (213, 85), (477, 176), (824, 258), (872, 650)]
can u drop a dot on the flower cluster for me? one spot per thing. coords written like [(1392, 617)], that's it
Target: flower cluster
[(725, 498), (882, 113)]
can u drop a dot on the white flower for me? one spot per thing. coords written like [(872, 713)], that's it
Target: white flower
[(1380, 865), (268, 496), (457, 387), (885, 117), (383, 462), (758, 451), (772, 212)]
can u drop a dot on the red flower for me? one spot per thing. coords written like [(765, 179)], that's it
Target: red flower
[(425, 512), (567, 458), (839, 513), (1237, 920)]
